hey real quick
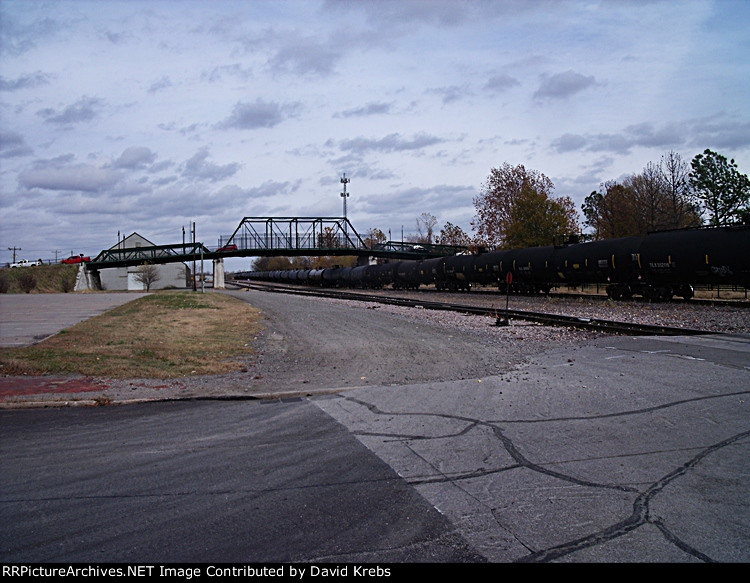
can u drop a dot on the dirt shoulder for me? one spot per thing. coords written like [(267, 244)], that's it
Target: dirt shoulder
[(306, 346)]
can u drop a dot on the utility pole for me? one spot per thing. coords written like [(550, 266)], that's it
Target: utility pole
[(56, 252), (345, 195), (194, 282), (14, 249)]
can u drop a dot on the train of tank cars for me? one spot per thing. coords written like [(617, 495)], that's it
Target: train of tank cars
[(658, 267)]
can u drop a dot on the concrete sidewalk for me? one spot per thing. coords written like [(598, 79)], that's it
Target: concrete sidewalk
[(26, 319)]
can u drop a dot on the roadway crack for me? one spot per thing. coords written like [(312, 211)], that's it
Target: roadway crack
[(641, 513)]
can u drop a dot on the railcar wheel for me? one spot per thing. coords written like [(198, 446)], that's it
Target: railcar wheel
[(686, 291), (613, 292), (658, 294)]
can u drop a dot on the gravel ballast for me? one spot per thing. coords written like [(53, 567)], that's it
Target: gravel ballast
[(701, 316)]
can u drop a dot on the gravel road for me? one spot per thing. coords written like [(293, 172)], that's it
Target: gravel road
[(314, 343)]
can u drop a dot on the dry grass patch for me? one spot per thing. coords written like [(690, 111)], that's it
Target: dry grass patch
[(57, 278), (164, 335)]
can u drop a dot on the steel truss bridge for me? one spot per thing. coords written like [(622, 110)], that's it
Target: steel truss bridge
[(274, 236)]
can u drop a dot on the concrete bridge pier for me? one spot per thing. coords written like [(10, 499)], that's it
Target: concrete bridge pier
[(219, 274), (87, 279)]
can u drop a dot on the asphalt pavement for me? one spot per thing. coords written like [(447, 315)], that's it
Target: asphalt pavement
[(620, 450), (630, 450), (239, 482), (29, 318)]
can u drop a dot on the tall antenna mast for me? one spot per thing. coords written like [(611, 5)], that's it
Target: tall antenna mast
[(345, 195)]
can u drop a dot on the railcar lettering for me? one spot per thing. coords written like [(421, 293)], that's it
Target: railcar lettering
[(722, 271)]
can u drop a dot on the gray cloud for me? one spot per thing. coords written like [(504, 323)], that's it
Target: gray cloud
[(720, 131), (19, 38), (25, 81), (500, 83), (390, 143), (218, 73), (198, 168), (261, 114), (267, 189), (162, 83), (83, 110), (569, 143), (450, 94), (365, 110), (644, 134), (116, 38), (619, 143), (307, 56), (13, 145), (160, 166), (405, 14), (135, 157), (563, 85), (63, 174)]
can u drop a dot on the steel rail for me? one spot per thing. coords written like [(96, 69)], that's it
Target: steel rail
[(610, 326)]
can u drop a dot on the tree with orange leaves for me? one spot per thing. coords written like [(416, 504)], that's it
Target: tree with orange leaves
[(516, 209)]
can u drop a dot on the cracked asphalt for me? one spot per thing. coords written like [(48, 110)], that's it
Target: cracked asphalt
[(481, 447), (637, 451)]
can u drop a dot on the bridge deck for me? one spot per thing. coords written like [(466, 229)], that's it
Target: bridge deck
[(276, 236)]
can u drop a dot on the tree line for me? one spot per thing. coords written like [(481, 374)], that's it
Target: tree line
[(670, 195), (516, 208)]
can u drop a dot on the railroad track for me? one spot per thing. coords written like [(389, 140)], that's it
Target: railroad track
[(486, 291), (501, 316)]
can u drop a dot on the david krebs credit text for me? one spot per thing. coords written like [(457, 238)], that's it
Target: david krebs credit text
[(298, 572)]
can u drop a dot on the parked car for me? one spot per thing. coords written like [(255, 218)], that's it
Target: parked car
[(26, 263), (76, 259), (229, 247)]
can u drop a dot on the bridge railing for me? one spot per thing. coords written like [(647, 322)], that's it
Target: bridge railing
[(294, 234), (150, 254)]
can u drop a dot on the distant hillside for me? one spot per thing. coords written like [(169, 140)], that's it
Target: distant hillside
[(46, 279)]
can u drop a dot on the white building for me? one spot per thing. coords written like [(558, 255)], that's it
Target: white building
[(171, 275)]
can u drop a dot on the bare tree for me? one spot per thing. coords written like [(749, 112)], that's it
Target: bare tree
[(425, 228), (680, 209), (147, 275), (649, 198)]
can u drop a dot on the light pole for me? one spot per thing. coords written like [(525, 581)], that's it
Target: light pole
[(345, 195)]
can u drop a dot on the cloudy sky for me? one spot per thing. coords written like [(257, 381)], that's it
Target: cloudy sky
[(122, 116)]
